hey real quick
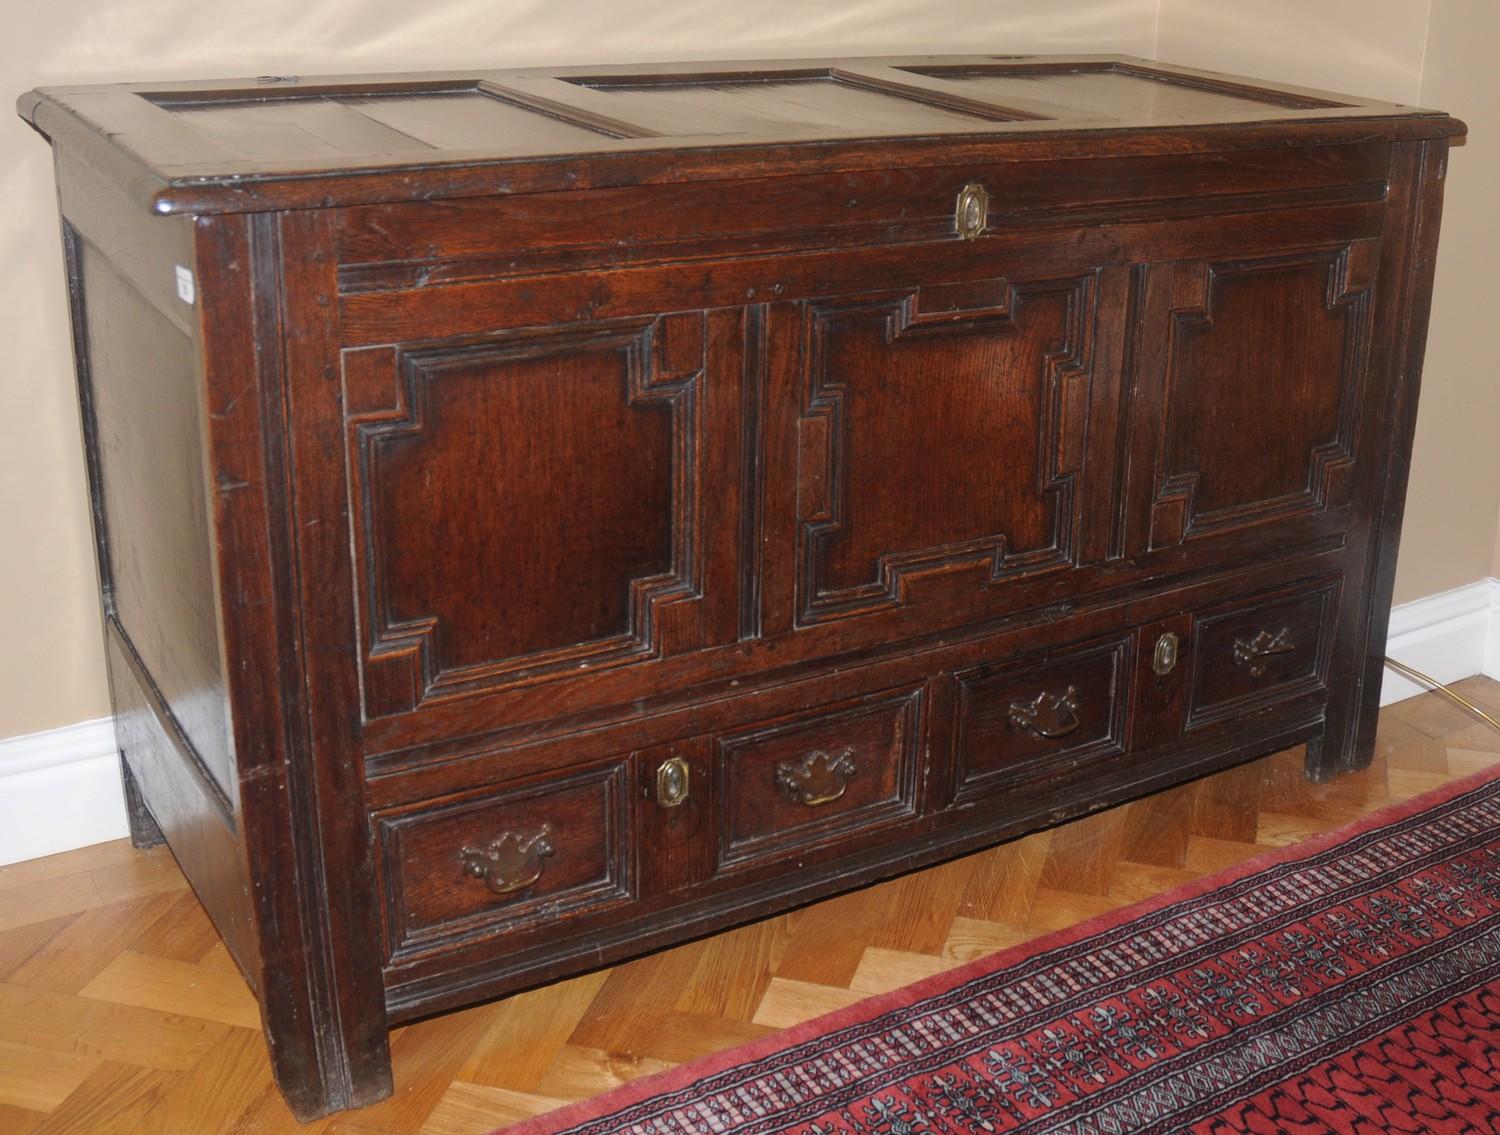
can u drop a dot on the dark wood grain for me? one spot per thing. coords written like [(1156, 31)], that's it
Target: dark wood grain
[(1260, 650), (493, 238), (339, 923), (580, 509), (1000, 371), (1417, 176), (577, 828), (789, 786), (996, 744)]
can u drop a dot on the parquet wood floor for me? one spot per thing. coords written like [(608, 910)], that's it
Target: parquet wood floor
[(120, 1011)]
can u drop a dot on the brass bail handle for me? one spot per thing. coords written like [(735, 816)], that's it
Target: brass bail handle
[(1047, 715), (818, 778), (511, 862)]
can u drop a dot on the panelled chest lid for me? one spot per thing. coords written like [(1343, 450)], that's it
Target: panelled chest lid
[(284, 141)]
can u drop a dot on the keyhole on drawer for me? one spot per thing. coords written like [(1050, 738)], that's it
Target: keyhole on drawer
[(1164, 658), (673, 778), (972, 212)]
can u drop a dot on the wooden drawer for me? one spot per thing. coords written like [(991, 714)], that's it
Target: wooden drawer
[(1034, 718), (799, 782), (482, 865), (1261, 650)]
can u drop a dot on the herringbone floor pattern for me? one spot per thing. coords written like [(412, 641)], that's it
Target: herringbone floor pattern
[(121, 1013)]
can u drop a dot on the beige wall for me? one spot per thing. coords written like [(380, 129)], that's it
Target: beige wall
[(1366, 47), (51, 670), (1452, 531), (1439, 55)]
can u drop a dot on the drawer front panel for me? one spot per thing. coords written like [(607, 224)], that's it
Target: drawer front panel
[(1029, 719), (1260, 651), (798, 782), (485, 865)]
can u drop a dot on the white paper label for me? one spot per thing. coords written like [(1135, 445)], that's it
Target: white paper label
[(185, 290)]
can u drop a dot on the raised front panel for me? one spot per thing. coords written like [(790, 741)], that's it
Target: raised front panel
[(940, 432), (1262, 365), (526, 504)]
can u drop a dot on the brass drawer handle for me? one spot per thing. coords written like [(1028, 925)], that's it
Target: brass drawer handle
[(1255, 653), (1047, 715), (817, 778), (510, 863)]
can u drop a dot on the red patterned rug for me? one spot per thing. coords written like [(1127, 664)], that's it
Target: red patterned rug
[(1348, 984)]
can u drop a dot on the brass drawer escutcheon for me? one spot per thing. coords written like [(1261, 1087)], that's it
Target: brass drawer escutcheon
[(972, 212), (1047, 715), (1255, 654), (510, 863), (1164, 658), (673, 782), (817, 778)]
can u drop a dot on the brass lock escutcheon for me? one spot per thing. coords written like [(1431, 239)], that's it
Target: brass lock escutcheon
[(673, 782), (1255, 654), (511, 862), (1047, 715), (818, 778), (972, 212), (1164, 658)]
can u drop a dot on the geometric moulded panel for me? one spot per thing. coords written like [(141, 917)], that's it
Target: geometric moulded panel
[(998, 371), (525, 502), (1264, 370)]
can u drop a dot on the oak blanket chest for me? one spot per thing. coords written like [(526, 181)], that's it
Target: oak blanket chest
[(545, 515)]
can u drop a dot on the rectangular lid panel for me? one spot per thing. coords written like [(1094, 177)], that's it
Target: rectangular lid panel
[(781, 104), (1124, 94), (359, 125)]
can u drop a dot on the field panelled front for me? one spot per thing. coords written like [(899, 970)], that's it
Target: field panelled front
[(688, 547), (1252, 371), (490, 552), (1002, 371)]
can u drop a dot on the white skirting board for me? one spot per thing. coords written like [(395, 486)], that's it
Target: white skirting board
[(61, 789), (1452, 635)]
